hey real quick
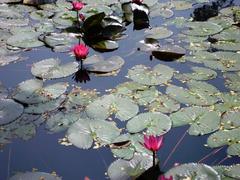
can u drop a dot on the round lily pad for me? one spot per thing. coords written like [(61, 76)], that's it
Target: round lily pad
[(193, 170), (158, 33), (32, 91), (202, 121), (123, 108), (53, 69), (160, 74), (232, 81), (202, 29), (9, 111), (199, 73), (23, 40), (155, 123)]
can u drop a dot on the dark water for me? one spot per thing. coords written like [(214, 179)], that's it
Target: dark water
[(45, 154)]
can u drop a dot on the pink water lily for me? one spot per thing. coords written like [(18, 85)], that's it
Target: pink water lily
[(162, 177), (80, 51), (77, 6), (153, 143)]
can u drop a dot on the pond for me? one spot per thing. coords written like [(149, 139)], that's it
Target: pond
[(169, 69)]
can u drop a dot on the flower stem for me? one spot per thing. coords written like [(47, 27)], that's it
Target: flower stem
[(81, 64), (78, 22), (154, 156)]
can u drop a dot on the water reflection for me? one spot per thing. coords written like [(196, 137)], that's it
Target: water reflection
[(82, 75)]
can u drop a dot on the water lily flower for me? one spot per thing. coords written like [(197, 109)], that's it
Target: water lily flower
[(77, 6), (162, 177), (82, 17), (80, 51), (153, 143), (137, 1)]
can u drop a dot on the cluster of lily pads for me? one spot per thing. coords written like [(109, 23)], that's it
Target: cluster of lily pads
[(89, 119)]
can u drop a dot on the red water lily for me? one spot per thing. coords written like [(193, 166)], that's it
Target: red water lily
[(137, 1), (162, 177), (153, 143), (80, 51), (77, 6)]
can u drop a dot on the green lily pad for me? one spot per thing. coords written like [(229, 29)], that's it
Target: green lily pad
[(193, 171), (106, 45), (123, 108), (53, 69), (33, 92), (226, 137), (164, 104), (44, 107), (41, 15), (98, 65), (182, 5), (230, 120), (61, 121), (3, 91), (194, 96), (9, 111), (85, 131), (230, 102), (124, 170), (201, 120), (23, 40), (160, 74), (158, 33), (35, 176), (227, 46), (199, 73), (155, 123), (232, 81), (202, 29)]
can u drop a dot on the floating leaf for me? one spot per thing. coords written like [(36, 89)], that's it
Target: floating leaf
[(230, 120), (156, 123), (160, 74), (84, 131), (106, 45), (193, 171), (199, 73), (202, 121), (168, 52), (164, 104), (23, 40), (35, 176), (98, 65), (53, 69), (202, 28), (182, 5), (3, 91), (45, 106), (158, 33), (123, 108), (32, 91), (232, 81), (123, 170), (9, 111)]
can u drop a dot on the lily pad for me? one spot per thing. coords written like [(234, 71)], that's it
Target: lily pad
[(199, 73), (33, 92), (85, 131), (160, 74), (158, 33), (124, 170), (123, 108), (193, 170), (45, 106), (98, 65), (226, 137), (202, 29), (9, 111), (35, 176), (155, 123), (23, 40), (53, 69), (232, 81), (3, 91), (202, 121), (164, 104)]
